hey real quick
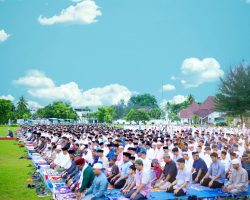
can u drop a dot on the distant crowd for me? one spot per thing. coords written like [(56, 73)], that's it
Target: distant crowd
[(95, 157)]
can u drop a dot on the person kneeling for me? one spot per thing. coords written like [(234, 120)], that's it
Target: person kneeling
[(99, 186), (129, 182), (142, 183), (215, 175), (238, 181), (183, 179)]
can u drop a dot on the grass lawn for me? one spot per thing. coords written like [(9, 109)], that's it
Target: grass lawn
[(4, 130), (14, 171)]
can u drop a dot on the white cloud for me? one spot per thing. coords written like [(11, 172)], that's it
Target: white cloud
[(175, 100), (3, 35), (35, 78), (168, 87), (7, 97), (107, 95), (178, 99), (196, 72), (173, 78), (84, 12), (34, 105)]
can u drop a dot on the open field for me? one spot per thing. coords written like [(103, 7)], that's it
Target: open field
[(14, 171), (4, 130)]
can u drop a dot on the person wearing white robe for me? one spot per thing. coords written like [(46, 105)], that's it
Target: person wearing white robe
[(188, 161), (65, 161), (87, 155), (58, 155), (103, 159), (145, 160), (159, 152)]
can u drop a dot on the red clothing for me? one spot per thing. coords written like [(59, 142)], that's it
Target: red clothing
[(158, 171)]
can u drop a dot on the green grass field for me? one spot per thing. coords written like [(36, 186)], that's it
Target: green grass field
[(4, 130), (14, 171)]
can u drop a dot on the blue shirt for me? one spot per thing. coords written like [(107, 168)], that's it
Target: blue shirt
[(98, 187), (110, 154), (125, 168), (215, 169), (200, 164), (95, 160)]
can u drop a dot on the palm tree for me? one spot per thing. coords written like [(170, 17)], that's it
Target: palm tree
[(22, 107)]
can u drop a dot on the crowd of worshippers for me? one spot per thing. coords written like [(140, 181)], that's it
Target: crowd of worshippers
[(94, 157)]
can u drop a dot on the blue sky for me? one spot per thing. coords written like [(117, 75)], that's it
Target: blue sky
[(97, 52)]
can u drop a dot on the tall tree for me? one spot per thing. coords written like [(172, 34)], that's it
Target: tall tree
[(120, 109), (233, 95), (57, 109), (143, 100), (155, 113), (7, 111), (173, 109), (137, 115), (105, 114), (22, 109)]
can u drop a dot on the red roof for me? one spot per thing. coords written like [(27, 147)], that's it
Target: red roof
[(186, 113), (194, 106), (202, 111), (208, 104), (190, 110)]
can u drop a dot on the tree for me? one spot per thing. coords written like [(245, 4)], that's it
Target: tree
[(137, 115), (173, 117), (173, 109), (57, 109), (195, 119), (233, 95), (155, 113), (142, 100), (22, 109), (105, 114), (7, 111), (229, 120), (120, 109)]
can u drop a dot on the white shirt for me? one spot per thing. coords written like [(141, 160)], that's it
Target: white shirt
[(226, 163), (150, 154), (105, 162), (189, 164), (65, 161), (207, 160), (146, 164), (182, 177), (88, 157)]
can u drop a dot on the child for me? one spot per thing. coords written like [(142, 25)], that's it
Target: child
[(130, 180), (157, 171)]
